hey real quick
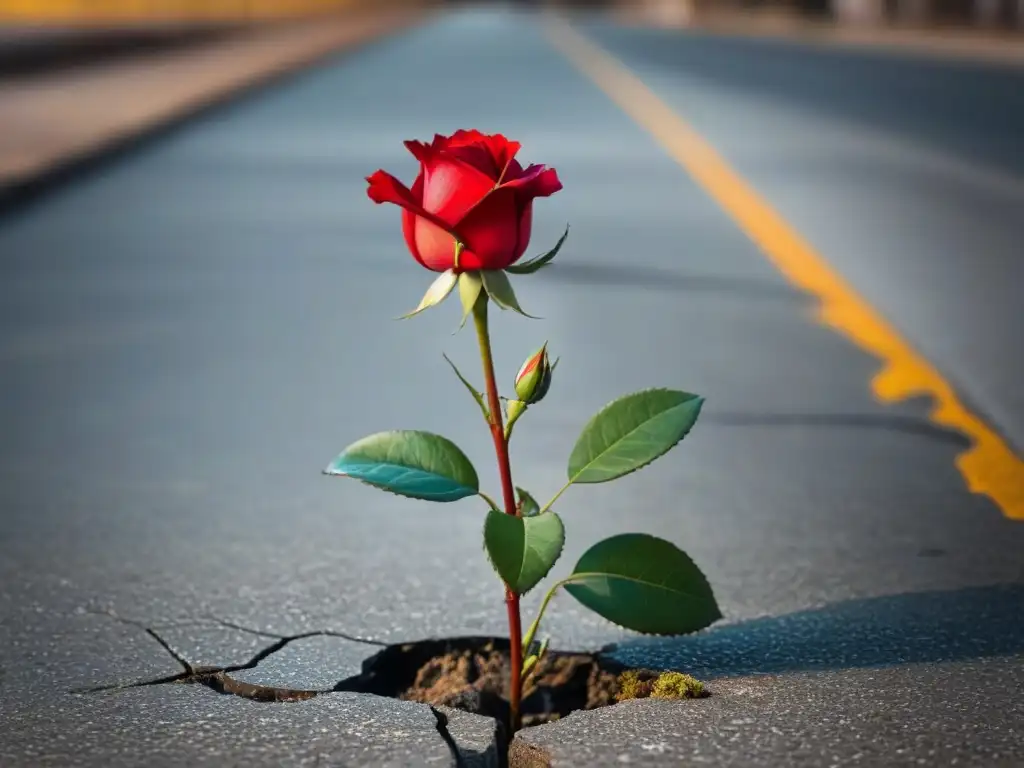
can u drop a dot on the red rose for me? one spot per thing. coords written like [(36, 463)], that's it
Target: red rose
[(471, 188)]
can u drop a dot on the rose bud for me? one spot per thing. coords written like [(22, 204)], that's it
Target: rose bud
[(534, 378), (470, 188)]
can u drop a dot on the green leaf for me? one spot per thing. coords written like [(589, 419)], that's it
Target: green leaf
[(470, 285), (499, 288), (528, 506), (543, 647), (528, 664), (644, 583), (523, 549), (420, 465), (531, 631), (477, 395), (532, 265), (436, 293), (631, 432)]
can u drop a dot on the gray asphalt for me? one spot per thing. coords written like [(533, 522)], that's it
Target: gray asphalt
[(906, 172), (188, 335)]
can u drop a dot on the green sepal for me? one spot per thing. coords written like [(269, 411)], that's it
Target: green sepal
[(538, 262), (436, 293), (470, 285), (498, 287), (513, 410)]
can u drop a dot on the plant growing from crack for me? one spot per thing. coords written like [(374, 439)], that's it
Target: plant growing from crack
[(468, 216)]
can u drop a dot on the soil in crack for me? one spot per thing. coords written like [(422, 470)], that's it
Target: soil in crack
[(472, 674)]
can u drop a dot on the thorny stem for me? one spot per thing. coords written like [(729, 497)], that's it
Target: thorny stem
[(509, 497)]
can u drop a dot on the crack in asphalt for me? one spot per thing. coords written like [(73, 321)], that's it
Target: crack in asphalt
[(446, 736), (500, 744), (219, 678), (290, 638)]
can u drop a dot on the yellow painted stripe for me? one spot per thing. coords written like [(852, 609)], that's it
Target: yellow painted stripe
[(989, 466)]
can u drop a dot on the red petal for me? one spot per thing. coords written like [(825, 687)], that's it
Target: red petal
[(472, 136), (473, 143), (491, 232), (441, 142), (409, 221), (385, 188), (535, 181), (502, 150), (435, 247), (469, 147), (451, 186), (514, 171), (525, 227), (529, 366), (479, 157)]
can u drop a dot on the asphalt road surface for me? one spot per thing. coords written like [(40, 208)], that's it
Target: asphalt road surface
[(189, 334)]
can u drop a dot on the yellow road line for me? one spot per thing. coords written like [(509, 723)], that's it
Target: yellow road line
[(989, 466)]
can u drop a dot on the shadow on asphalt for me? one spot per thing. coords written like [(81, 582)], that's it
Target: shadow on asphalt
[(612, 276), (909, 425), (957, 625)]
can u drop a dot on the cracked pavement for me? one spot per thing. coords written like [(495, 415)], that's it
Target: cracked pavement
[(220, 678), (190, 333), (148, 721)]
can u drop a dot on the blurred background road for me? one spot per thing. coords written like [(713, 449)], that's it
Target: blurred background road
[(811, 214)]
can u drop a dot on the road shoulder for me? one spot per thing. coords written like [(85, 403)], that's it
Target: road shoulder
[(54, 122)]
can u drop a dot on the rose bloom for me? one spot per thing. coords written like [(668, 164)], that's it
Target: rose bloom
[(470, 187)]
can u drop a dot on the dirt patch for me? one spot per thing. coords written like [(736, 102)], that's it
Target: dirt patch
[(523, 755), (221, 682), (472, 674)]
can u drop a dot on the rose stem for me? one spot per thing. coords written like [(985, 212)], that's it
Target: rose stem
[(505, 471)]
